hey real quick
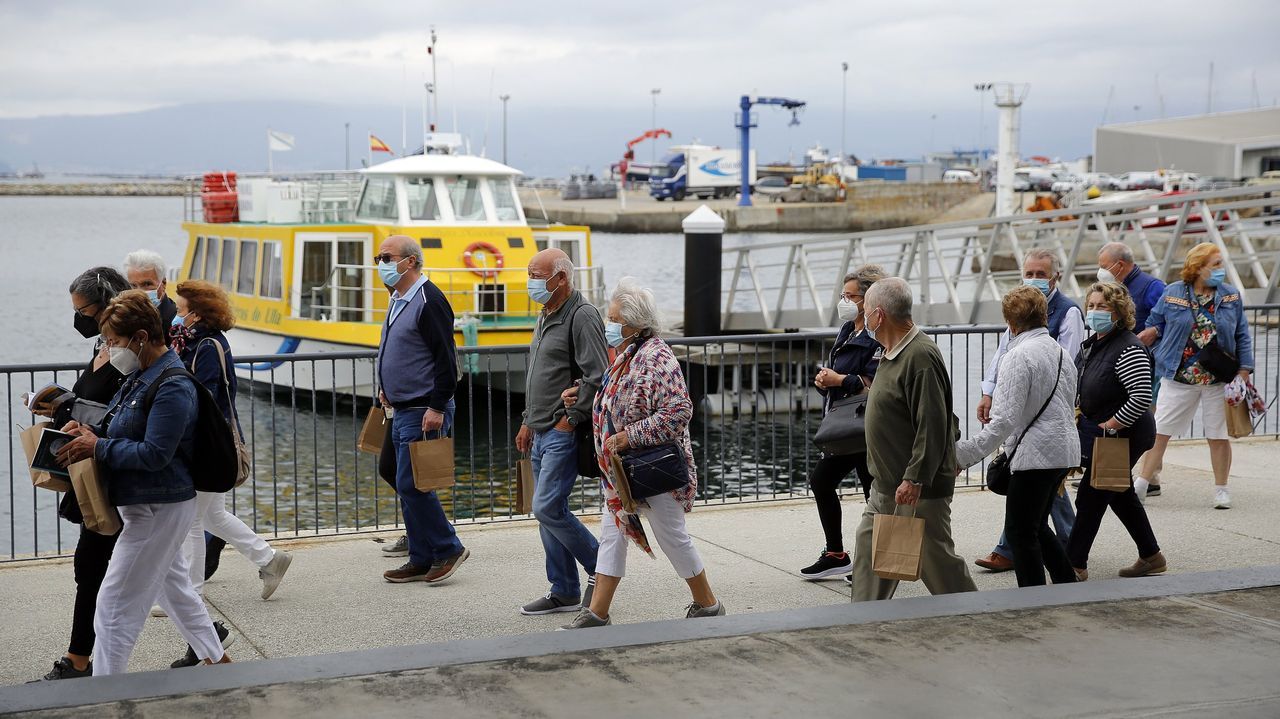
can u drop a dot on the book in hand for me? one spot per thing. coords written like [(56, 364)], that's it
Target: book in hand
[(45, 398), (46, 457)]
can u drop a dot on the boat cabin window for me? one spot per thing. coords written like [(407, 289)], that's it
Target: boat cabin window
[(197, 259), (227, 274), (317, 265), (378, 200), (464, 194), (423, 201), (210, 269), (248, 266), (504, 199), (272, 261)]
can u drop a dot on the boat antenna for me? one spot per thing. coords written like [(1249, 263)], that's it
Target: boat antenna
[(484, 143), (435, 96)]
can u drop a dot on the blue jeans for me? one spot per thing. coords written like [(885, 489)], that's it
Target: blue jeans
[(1061, 513), (431, 537), (564, 540)]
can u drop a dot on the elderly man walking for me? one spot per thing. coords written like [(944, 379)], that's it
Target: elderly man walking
[(1115, 264), (911, 435), (568, 347), (1040, 269), (145, 271), (417, 376)]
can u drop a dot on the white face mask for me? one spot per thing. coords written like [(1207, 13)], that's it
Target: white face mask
[(847, 310), (1104, 275), (124, 359)]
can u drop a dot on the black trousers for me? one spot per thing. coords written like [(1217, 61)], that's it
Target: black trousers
[(1026, 528), (1092, 503), (825, 480), (93, 554)]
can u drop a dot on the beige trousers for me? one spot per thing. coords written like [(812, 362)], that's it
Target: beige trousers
[(940, 569)]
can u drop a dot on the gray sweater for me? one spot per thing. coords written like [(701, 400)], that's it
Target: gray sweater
[(552, 370), (1025, 380)]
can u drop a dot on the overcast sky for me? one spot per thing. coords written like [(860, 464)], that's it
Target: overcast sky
[(908, 58)]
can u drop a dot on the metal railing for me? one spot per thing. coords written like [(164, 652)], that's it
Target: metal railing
[(755, 415), (961, 268)]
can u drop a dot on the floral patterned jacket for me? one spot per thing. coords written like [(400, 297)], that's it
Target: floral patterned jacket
[(643, 394)]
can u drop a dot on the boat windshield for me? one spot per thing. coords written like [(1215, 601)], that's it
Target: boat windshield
[(378, 201), (464, 195), (423, 201), (504, 199)]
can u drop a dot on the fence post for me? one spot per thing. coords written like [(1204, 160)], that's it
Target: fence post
[(703, 243)]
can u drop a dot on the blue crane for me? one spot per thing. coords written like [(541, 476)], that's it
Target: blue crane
[(745, 124)]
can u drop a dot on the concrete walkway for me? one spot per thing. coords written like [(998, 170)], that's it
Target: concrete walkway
[(335, 600)]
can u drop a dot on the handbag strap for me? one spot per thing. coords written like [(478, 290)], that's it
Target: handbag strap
[(1044, 406), (226, 382)]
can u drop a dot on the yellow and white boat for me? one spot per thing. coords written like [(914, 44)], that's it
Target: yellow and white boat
[(298, 263)]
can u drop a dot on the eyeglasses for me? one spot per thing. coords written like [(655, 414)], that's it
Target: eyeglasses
[(81, 307), (386, 257), (851, 298)]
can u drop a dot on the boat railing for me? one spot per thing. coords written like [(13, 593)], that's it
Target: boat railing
[(494, 297), (326, 197)]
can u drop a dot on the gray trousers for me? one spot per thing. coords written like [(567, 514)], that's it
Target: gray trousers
[(940, 569)]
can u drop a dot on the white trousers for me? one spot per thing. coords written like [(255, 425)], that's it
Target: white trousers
[(212, 516), (665, 518), (148, 566)]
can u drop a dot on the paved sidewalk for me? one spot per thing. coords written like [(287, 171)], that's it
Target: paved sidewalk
[(334, 598)]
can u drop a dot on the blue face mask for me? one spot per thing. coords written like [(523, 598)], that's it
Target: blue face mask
[(870, 332), (538, 291), (1216, 277), (613, 333), (1039, 284), (178, 321), (1099, 321), (154, 296), (389, 274)]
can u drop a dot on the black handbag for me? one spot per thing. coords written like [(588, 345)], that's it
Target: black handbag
[(583, 433), (844, 429), (654, 470), (1213, 358), (1000, 468)]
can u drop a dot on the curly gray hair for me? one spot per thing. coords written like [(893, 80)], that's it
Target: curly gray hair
[(866, 276), (637, 306)]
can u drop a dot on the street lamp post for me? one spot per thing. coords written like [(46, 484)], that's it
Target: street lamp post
[(504, 99), (982, 88), (844, 106), (653, 125), (346, 162)]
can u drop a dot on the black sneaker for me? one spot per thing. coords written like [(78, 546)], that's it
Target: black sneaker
[(190, 659), (830, 564), (64, 669), (1153, 490), (212, 554)]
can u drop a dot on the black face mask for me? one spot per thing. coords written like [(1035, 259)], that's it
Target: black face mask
[(86, 326)]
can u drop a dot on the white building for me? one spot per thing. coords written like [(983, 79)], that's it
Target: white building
[(1238, 144)]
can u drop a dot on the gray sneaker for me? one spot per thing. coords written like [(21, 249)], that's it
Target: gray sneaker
[(274, 572), (695, 610), (550, 604), (585, 620), (399, 549)]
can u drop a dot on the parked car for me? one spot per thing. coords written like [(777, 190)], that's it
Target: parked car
[(959, 174), (1140, 181), (772, 186), (1100, 180)]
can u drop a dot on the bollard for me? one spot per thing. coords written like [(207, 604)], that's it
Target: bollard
[(703, 242)]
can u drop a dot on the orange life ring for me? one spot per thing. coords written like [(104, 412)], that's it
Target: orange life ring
[(468, 258)]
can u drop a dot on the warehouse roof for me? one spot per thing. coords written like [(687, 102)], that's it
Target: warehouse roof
[(1240, 127)]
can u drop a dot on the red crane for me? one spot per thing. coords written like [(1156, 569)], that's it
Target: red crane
[(630, 154)]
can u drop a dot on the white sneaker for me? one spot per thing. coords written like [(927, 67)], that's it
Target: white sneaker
[(1221, 498), (274, 572), (156, 611), (1140, 488)]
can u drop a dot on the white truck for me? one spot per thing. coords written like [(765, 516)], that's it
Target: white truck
[(699, 170)]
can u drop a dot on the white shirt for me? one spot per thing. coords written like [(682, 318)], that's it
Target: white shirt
[(1071, 335)]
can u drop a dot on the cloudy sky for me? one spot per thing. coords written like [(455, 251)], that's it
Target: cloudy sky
[(912, 63)]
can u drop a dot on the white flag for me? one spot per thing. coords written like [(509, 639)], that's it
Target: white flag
[(279, 141)]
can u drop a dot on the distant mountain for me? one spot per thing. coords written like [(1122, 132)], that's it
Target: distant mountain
[(543, 140)]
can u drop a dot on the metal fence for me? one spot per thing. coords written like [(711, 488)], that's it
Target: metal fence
[(755, 414)]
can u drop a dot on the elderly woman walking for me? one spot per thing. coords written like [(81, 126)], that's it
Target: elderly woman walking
[(1032, 410), (1201, 343), (643, 402)]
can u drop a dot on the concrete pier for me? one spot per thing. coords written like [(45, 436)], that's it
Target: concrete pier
[(1173, 646)]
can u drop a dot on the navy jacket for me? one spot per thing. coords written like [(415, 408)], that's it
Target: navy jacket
[(201, 358), (146, 456), (853, 355)]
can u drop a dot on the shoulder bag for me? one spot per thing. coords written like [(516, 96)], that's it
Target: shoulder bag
[(585, 445), (1000, 469), (653, 470), (244, 463), (843, 430), (1212, 357)]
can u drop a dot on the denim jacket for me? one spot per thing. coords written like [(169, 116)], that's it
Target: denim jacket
[(1172, 317), (145, 457)]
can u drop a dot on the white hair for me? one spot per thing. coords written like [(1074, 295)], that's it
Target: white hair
[(565, 265), (637, 306), (1055, 267), (1117, 250), (409, 247), (143, 260), (893, 295)]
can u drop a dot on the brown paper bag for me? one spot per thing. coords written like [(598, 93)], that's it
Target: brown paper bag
[(895, 547), (374, 431), (30, 442), (1239, 423), (621, 484), (1110, 470), (524, 486), (432, 461), (99, 514)]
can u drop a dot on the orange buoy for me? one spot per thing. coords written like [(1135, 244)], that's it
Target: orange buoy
[(478, 266)]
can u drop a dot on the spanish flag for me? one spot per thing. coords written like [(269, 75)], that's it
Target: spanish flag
[(376, 145)]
